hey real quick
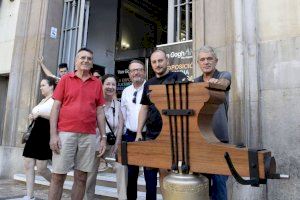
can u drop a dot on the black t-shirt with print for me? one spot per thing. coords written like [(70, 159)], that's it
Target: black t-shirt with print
[(154, 120), (171, 76)]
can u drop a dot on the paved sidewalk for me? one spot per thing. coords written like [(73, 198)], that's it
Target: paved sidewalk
[(15, 190)]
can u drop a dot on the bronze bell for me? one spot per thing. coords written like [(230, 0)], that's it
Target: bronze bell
[(178, 186)]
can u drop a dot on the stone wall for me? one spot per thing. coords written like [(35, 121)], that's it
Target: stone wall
[(258, 42), (11, 161), (8, 19), (279, 65), (32, 40)]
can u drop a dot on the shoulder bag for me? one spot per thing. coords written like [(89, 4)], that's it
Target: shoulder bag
[(27, 133), (110, 136)]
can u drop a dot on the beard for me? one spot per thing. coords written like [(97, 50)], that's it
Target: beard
[(137, 80), (161, 71)]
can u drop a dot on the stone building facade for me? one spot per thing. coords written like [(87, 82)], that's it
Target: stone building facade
[(257, 41)]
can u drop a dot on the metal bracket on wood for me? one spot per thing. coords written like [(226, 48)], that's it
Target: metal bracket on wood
[(253, 169), (177, 112)]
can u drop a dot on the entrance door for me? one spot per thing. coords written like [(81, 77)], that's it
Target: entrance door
[(73, 30)]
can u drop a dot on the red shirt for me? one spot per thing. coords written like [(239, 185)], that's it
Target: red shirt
[(79, 102)]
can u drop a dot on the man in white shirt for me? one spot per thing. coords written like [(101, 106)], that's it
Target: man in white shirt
[(131, 95), (130, 106)]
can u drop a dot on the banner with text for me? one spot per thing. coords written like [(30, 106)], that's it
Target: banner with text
[(123, 79), (180, 57)]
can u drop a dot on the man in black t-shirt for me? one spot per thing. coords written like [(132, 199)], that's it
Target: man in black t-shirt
[(159, 63)]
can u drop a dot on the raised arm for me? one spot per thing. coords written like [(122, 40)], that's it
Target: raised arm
[(46, 70)]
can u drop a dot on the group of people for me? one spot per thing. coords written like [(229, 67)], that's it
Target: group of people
[(74, 118)]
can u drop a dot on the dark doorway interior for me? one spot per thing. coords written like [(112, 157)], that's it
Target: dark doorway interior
[(3, 96), (142, 24), (99, 68)]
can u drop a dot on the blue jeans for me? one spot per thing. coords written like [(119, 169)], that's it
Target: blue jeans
[(218, 189), (133, 173)]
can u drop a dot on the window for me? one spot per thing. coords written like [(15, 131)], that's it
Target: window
[(180, 24), (73, 31)]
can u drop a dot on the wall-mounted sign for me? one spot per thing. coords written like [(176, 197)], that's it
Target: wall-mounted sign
[(53, 32), (180, 57)]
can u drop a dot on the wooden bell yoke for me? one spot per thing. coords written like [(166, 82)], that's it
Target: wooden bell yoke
[(187, 136)]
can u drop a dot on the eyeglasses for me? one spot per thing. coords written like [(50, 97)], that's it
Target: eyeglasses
[(136, 70), (134, 97)]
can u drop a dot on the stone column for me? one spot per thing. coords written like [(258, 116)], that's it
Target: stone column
[(230, 27), (279, 68), (246, 60), (24, 75), (213, 25), (198, 31), (32, 41)]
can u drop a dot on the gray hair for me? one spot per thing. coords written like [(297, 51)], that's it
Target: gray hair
[(208, 49)]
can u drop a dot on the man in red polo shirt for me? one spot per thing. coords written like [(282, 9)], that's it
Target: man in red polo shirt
[(77, 108)]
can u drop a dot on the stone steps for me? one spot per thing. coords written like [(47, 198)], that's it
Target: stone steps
[(106, 184)]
